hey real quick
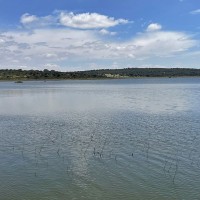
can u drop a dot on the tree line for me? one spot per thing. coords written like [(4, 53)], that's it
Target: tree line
[(19, 74)]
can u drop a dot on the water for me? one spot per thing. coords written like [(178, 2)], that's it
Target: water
[(105, 139)]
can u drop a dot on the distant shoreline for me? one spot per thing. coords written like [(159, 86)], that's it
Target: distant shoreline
[(47, 80), (101, 74)]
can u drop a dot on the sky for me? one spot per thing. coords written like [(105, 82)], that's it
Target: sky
[(71, 35)]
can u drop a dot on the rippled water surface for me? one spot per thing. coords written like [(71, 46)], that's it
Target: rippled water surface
[(106, 139)]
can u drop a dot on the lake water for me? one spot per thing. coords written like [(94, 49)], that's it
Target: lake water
[(100, 139)]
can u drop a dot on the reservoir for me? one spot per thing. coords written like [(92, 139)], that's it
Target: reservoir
[(100, 139)]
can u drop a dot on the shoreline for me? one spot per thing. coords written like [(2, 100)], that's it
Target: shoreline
[(84, 79), (100, 74)]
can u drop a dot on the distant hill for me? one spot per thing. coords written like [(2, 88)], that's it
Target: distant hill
[(11, 74)]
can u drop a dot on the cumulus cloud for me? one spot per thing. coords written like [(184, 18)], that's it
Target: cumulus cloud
[(89, 20), (59, 46), (162, 43), (71, 20), (33, 21), (64, 46), (195, 12), (106, 32), (154, 27), (27, 18)]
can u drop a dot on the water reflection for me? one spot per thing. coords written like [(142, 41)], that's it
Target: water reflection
[(66, 97)]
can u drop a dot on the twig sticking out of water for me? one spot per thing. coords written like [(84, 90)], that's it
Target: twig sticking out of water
[(23, 152), (58, 152), (169, 168), (89, 143), (35, 152), (101, 153), (147, 150), (176, 170), (165, 165), (116, 158)]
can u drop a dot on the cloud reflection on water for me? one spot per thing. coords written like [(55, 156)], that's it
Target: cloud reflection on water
[(65, 97)]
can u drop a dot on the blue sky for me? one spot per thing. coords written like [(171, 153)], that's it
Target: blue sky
[(90, 34)]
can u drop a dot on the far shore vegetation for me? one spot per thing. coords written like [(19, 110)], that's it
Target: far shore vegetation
[(19, 74)]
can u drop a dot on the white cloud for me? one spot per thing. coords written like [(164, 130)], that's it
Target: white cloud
[(27, 58), (2, 41), (33, 21), (74, 47), (89, 20), (162, 43), (154, 27), (27, 18), (50, 55), (195, 12), (65, 46), (71, 20), (106, 32)]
